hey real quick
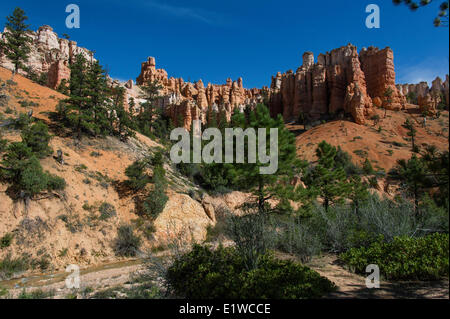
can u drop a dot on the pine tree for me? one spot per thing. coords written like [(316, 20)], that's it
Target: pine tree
[(157, 198), (247, 176), (16, 46), (358, 192), (148, 108), (124, 122), (412, 133), (412, 173), (37, 138), (327, 179), (97, 92), (75, 109)]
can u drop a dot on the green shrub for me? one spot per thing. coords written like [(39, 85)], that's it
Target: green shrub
[(405, 258), (6, 240), (127, 243), (208, 274)]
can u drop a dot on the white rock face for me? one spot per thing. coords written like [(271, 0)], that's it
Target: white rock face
[(47, 50)]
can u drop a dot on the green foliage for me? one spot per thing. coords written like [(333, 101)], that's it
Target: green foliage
[(37, 138), (127, 243), (10, 265), (328, 178), (6, 240), (156, 200), (148, 109), (22, 169), (442, 16), (16, 44), (137, 176), (405, 258), (209, 274), (367, 167), (3, 143)]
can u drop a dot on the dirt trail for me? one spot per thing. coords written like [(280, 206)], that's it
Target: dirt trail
[(95, 278), (352, 286)]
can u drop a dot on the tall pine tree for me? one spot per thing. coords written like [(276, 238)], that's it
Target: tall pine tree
[(16, 46)]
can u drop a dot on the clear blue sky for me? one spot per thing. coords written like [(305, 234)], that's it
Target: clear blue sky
[(214, 40)]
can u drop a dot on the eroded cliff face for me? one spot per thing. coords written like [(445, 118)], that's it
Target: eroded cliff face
[(49, 54), (186, 101), (428, 98), (340, 81)]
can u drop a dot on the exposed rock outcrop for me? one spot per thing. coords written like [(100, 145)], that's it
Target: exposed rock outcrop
[(49, 54), (428, 99), (336, 83), (186, 101)]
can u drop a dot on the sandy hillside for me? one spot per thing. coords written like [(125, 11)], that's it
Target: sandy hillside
[(66, 227), (382, 147)]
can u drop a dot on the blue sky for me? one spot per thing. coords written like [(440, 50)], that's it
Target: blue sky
[(214, 40)]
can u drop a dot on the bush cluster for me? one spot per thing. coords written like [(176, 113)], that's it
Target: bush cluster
[(405, 258), (204, 273)]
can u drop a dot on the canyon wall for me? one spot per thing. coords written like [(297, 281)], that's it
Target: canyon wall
[(49, 54), (341, 81)]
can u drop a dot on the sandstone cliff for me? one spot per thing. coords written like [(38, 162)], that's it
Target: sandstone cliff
[(341, 81), (49, 54), (428, 98), (186, 101)]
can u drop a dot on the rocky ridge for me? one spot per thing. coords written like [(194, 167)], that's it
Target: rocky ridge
[(49, 54)]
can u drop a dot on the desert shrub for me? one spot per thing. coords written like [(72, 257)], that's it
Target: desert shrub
[(344, 160), (127, 243), (251, 233), (107, 211), (36, 294), (6, 240), (10, 265), (341, 228), (296, 237), (207, 274), (404, 258)]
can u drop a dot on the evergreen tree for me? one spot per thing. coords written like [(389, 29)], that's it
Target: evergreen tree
[(358, 193), (327, 179), (97, 91), (75, 109), (148, 108), (247, 176), (412, 173), (137, 176), (22, 169), (412, 133), (37, 138), (157, 198), (16, 46), (124, 122), (442, 17)]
